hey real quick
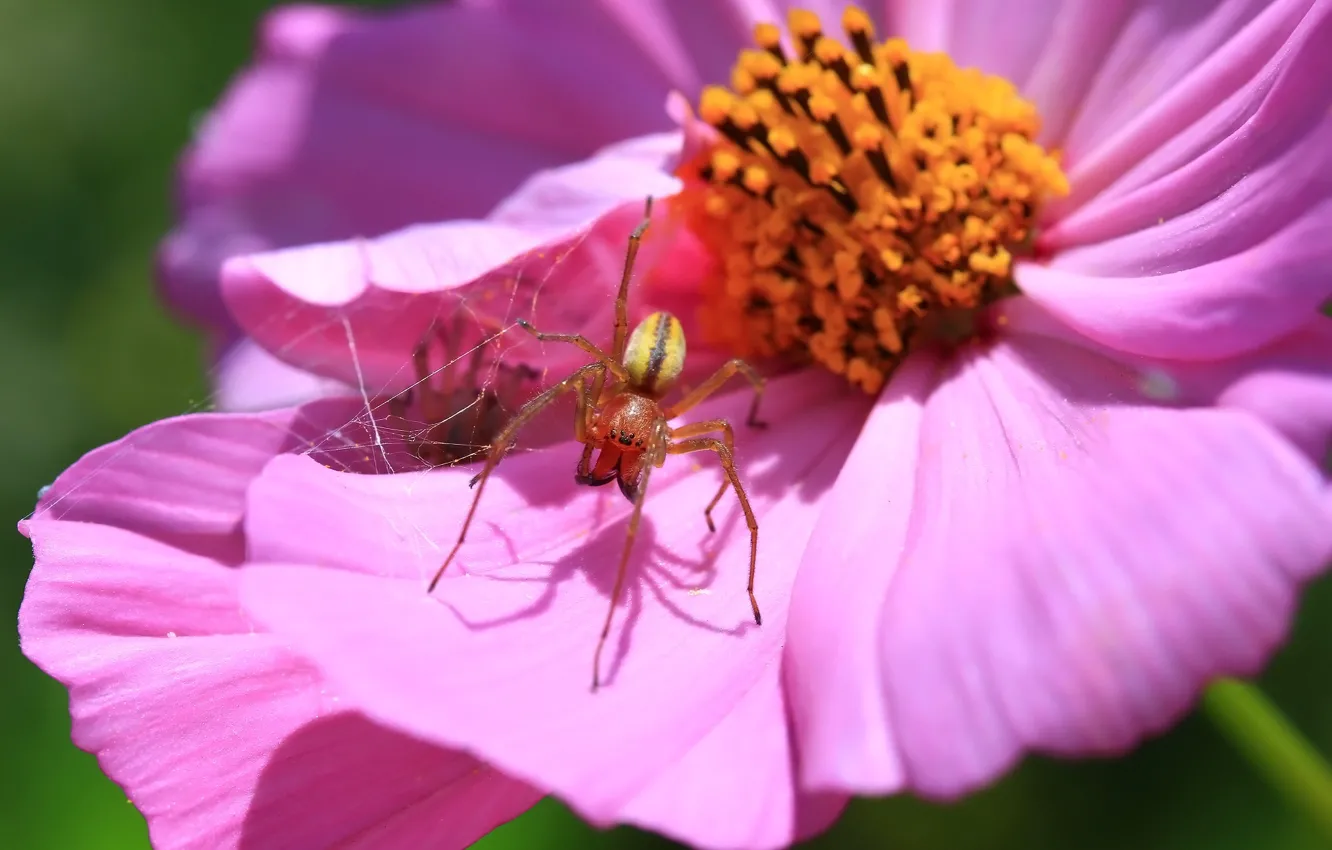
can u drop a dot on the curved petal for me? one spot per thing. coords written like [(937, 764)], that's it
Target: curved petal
[(1177, 77), (183, 480), (248, 378), (552, 253), (1211, 243), (207, 724), (1112, 81), (1287, 383), (348, 125), (217, 731), (1218, 310), (1076, 565), (846, 740), (508, 640)]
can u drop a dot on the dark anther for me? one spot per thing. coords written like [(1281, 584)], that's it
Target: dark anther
[(811, 227), (864, 49), (796, 160), (843, 72), (780, 96), (872, 280), (807, 43), (834, 128), (737, 136), (880, 163), (879, 105), (802, 97), (902, 74), (842, 196)]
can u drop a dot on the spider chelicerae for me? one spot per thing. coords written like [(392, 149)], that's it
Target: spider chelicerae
[(619, 412)]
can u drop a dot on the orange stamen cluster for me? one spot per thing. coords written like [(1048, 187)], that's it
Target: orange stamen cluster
[(853, 190)]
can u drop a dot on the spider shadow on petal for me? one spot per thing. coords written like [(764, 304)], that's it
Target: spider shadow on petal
[(651, 566)]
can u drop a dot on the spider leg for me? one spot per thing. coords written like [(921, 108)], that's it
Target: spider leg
[(695, 429), (659, 442), (694, 397), (703, 444), (622, 299), (501, 445), (582, 342), (583, 421)]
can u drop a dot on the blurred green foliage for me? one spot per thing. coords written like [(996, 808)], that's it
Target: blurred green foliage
[(96, 101)]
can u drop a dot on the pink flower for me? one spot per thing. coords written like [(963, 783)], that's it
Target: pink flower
[(1048, 540)]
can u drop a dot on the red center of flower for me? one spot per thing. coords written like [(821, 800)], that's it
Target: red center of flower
[(852, 192)]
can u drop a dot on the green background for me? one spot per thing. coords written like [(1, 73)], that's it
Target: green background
[(96, 101)]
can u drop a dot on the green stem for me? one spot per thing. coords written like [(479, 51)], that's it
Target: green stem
[(1258, 729)]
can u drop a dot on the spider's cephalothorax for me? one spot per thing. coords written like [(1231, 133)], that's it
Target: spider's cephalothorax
[(620, 413), (623, 427)]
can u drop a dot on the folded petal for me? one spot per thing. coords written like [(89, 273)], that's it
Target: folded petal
[(1076, 564), (552, 253), (356, 123), (690, 682)]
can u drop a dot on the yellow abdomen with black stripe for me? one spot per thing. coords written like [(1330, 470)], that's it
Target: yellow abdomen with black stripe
[(655, 354)]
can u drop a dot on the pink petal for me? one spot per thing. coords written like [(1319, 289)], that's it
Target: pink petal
[(1111, 80), (1211, 243), (1287, 383), (1213, 311), (183, 480), (1050, 49), (691, 688), (216, 732), (552, 253), (846, 739), (347, 124), (1176, 73), (246, 377), (1075, 565)]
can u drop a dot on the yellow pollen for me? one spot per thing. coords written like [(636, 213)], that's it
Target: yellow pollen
[(856, 188)]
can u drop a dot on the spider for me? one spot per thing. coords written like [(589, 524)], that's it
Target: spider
[(619, 412)]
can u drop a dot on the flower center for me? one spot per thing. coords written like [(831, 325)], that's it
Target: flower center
[(855, 195)]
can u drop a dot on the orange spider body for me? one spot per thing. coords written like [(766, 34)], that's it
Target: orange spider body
[(625, 424), (621, 420)]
